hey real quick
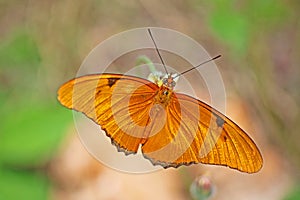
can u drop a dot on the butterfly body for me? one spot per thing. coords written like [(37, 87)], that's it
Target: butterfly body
[(163, 95), (172, 129)]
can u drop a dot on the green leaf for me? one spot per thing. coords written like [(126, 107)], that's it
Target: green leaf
[(231, 28), (18, 51), (29, 136), (15, 185), (266, 13), (294, 194)]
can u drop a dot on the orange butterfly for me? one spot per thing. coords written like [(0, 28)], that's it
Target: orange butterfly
[(172, 129)]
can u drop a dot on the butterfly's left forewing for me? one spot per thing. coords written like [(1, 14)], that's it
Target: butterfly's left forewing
[(119, 104)]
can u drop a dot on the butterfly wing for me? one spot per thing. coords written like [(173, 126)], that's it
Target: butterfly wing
[(183, 132), (196, 133), (119, 104)]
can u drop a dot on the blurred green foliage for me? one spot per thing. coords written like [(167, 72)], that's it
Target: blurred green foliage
[(294, 194), (30, 136), (32, 125), (22, 185), (235, 22), (19, 51)]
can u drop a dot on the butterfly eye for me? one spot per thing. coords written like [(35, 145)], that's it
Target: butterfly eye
[(166, 92), (165, 81)]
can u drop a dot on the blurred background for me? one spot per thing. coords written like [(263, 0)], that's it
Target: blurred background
[(42, 45)]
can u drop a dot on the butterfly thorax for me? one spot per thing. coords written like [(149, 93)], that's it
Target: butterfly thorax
[(163, 95), (166, 85)]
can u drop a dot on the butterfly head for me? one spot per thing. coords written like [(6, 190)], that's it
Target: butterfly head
[(167, 80), (170, 80)]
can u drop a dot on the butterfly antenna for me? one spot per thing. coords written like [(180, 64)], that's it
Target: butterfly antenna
[(214, 58), (162, 61)]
